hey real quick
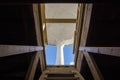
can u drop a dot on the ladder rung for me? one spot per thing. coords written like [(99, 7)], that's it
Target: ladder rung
[(61, 78), (60, 73)]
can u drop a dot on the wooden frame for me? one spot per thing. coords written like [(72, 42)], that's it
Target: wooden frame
[(8, 50), (42, 7), (42, 14), (78, 75), (37, 23), (113, 51), (79, 20), (39, 31), (60, 20), (84, 27), (39, 55), (32, 67), (79, 61), (93, 67), (78, 36), (91, 63)]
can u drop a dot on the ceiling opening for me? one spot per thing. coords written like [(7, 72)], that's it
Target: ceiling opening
[(59, 24)]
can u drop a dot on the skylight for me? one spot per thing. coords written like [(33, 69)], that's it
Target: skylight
[(60, 24)]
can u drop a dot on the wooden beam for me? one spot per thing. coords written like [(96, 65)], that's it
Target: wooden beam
[(37, 24), (42, 7), (60, 20), (59, 73), (79, 61), (80, 12), (93, 67), (43, 17), (113, 51), (77, 74), (42, 61), (84, 24), (42, 10), (61, 78), (80, 17), (32, 67), (88, 10), (45, 34), (80, 76), (7, 50), (39, 31)]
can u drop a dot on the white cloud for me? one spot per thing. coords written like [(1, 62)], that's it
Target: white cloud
[(71, 63)]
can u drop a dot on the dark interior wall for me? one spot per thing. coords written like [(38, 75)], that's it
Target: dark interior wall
[(17, 25), (104, 25), (15, 67), (17, 28), (108, 65)]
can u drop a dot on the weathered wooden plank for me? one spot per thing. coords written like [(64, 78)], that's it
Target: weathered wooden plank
[(39, 55), (113, 51), (32, 67), (42, 61), (77, 74), (79, 26), (60, 20), (42, 7), (44, 34), (62, 72), (43, 19), (61, 78), (86, 22), (37, 24), (36, 11), (93, 67), (87, 9), (79, 21), (8, 50), (77, 64), (79, 61)]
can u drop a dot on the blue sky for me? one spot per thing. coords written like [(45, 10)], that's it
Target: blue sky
[(51, 54)]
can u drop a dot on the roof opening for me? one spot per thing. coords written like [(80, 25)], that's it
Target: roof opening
[(59, 25)]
